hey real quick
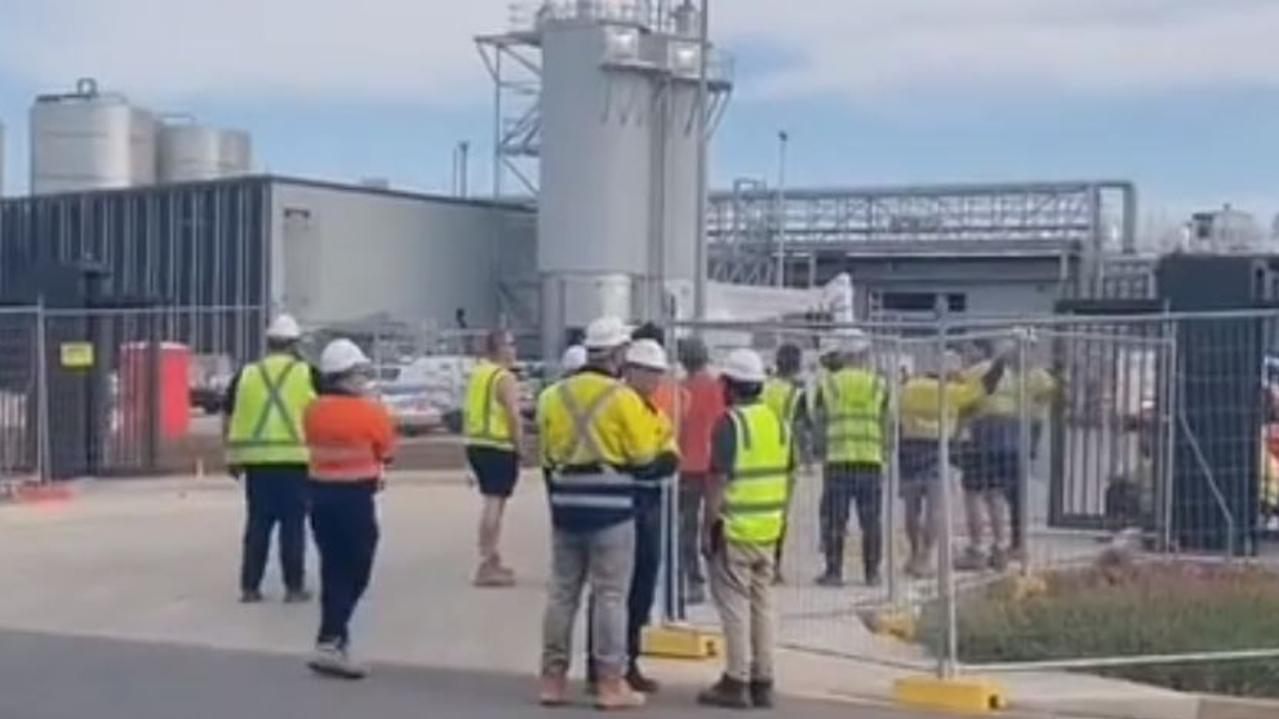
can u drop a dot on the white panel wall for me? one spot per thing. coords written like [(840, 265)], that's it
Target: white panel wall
[(343, 254)]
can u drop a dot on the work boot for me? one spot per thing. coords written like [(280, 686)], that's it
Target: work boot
[(832, 577), (490, 575), (762, 693), (553, 691), (971, 560), (250, 596), (616, 694), (998, 559), (728, 693), (297, 596), (640, 683)]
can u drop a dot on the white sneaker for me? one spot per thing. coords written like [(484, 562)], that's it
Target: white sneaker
[(332, 660)]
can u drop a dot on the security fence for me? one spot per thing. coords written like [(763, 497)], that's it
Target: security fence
[(117, 391), (1018, 473)]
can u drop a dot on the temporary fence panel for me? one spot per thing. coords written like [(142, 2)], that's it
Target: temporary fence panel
[(19, 395)]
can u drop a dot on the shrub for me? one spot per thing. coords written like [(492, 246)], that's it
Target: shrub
[(1121, 609)]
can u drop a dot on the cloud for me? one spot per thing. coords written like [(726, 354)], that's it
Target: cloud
[(865, 50)]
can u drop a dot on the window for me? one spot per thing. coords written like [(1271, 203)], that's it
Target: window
[(922, 301)]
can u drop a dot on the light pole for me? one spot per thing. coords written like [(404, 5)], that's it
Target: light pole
[(783, 138)]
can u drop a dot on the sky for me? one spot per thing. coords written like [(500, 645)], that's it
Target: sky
[(1180, 96)]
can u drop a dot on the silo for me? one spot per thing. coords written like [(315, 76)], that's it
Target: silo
[(678, 180), (596, 169), (191, 152), (87, 140)]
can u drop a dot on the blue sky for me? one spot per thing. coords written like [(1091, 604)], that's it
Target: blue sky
[(1181, 96)]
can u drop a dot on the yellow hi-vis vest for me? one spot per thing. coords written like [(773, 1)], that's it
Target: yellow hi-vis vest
[(266, 422), (782, 396), (755, 498), (854, 402), (485, 423)]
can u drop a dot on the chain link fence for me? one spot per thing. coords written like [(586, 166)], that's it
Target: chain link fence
[(1027, 473)]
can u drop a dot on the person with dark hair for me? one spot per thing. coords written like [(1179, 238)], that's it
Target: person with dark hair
[(784, 394), (494, 434), (266, 443), (705, 395), (751, 464)]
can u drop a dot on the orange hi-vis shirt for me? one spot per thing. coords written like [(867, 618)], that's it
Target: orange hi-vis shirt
[(671, 398), (350, 438), (705, 407)]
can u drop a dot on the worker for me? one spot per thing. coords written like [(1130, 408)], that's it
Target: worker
[(266, 445), (645, 370), (494, 435), (705, 407), (920, 405), (852, 403), (784, 394), (751, 464), (598, 440), (993, 479), (351, 440)]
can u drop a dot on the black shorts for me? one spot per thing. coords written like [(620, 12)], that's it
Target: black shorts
[(986, 468), (495, 469), (917, 461)]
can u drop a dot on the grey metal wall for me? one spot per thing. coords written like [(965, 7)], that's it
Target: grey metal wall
[(345, 253)]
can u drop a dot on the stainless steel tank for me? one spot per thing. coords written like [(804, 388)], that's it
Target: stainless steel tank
[(190, 152), (87, 140)]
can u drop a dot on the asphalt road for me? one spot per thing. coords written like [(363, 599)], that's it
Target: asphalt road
[(50, 677)]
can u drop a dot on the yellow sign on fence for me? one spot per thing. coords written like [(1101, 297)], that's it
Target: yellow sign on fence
[(77, 355)]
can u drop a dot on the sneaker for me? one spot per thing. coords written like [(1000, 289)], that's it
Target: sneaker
[(331, 660), (297, 596), (250, 596), (971, 560), (727, 693), (491, 576), (640, 683), (830, 579), (615, 694), (553, 691), (761, 691)]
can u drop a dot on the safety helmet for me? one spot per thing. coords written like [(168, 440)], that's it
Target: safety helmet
[(574, 358), (284, 328), (341, 356), (606, 333), (647, 354), (744, 365)]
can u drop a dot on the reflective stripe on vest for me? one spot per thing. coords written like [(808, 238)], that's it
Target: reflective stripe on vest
[(342, 462), (755, 498), (266, 421), (485, 416), (602, 487), (854, 401)]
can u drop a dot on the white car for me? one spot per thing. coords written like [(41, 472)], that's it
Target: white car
[(411, 410)]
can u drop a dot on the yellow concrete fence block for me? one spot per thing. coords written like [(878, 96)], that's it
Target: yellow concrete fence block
[(681, 641), (959, 695)]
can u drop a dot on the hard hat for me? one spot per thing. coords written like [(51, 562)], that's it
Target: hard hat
[(574, 358), (744, 365), (606, 333), (284, 328), (647, 354), (341, 356)]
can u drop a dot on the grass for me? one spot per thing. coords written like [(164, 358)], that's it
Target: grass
[(1118, 609)]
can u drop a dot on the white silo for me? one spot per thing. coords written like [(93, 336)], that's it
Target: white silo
[(191, 152), (87, 140), (618, 174)]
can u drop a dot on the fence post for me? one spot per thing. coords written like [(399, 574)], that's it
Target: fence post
[(1024, 450), (948, 664), (893, 443), (43, 446)]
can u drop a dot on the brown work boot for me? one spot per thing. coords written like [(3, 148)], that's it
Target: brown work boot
[(491, 575), (640, 683), (616, 694), (727, 693), (553, 691), (761, 693)]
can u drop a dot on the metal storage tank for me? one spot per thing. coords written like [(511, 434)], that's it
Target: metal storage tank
[(678, 180), (190, 152), (87, 140)]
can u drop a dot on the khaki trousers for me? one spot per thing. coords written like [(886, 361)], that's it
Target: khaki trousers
[(742, 587)]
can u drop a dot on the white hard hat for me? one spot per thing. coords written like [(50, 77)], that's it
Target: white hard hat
[(574, 358), (744, 365), (284, 328), (647, 354), (341, 356), (606, 333)]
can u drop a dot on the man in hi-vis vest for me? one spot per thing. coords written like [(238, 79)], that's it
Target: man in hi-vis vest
[(266, 446)]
